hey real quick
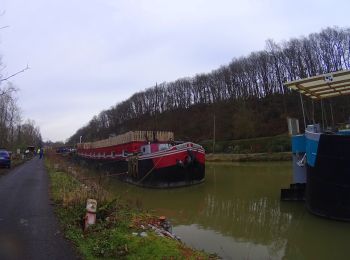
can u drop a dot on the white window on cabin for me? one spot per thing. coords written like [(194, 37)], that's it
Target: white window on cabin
[(163, 147)]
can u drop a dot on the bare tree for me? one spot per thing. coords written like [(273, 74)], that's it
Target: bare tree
[(252, 79)]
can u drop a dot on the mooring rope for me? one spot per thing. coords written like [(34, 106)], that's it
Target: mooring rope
[(142, 179), (116, 174), (150, 171)]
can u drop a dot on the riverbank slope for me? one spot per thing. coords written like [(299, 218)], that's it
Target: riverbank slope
[(121, 231)]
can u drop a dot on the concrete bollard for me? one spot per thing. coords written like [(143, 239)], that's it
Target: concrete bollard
[(90, 216)]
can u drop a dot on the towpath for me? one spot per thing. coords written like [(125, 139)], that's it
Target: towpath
[(28, 227)]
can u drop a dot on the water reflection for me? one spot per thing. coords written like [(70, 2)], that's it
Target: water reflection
[(237, 213)]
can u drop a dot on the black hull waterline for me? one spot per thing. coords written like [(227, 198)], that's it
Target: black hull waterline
[(328, 183), (146, 176)]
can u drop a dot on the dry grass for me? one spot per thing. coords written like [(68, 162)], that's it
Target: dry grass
[(112, 235), (78, 189)]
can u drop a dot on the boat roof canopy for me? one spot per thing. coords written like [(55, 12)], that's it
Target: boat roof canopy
[(323, 86)]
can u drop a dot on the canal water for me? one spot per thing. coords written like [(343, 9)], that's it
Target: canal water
[(237, 213)]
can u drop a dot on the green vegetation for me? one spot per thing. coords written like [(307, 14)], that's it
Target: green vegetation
[(18, 161), (112, 236), (273, 144), (249, 157)]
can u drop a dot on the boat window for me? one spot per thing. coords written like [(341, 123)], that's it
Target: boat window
[(315, 128), (163, 147), (146, 149)]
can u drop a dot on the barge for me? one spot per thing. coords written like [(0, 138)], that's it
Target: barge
[(148, 158), (321, 155)]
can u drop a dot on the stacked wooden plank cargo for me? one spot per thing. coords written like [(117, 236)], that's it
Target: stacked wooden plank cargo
[(321, 157), (131, 136)]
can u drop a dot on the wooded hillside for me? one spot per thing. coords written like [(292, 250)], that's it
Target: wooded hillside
[(246, 96)]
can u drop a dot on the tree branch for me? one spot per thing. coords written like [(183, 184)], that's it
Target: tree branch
[(23, 70)]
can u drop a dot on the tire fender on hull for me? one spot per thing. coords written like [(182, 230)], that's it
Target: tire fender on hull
[(189, 160)]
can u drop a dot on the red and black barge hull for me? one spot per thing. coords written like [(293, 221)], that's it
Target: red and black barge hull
[(181, 165)]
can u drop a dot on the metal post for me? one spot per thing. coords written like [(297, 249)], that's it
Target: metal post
[(313, 111), (330, 104), (325, 116), (322, 115), (302, 107)]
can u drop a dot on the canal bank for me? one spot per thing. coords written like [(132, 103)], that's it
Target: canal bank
[(238, 214), (122, 229), (249, 157)]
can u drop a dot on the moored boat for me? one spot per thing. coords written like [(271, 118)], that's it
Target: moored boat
[(148, 158), (321, 155)]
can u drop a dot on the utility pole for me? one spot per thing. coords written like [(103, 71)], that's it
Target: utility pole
[(214, 135), (155, 125)]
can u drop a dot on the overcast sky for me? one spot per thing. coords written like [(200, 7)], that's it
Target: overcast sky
[(86, 56)]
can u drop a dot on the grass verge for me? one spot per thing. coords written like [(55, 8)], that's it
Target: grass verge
[(254, 157), (112, 236), (271, 144)]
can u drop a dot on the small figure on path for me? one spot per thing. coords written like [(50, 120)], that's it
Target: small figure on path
[(41, 153)]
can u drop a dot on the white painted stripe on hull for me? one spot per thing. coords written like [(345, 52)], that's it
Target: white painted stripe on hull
[(174, 150), (155, 155)]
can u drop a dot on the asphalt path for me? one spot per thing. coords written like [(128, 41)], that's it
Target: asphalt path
[(28, 226)]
